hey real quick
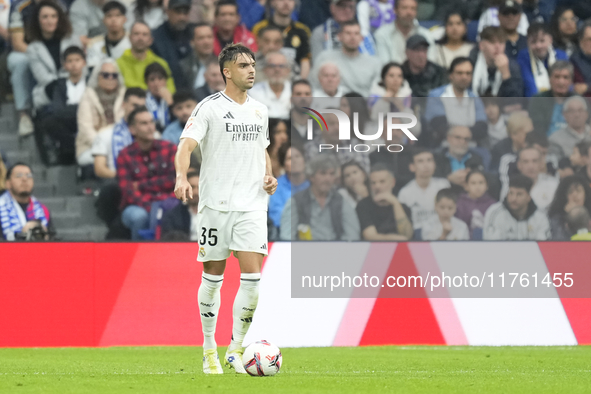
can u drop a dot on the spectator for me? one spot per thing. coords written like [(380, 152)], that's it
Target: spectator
[(354, 182), (518, 125), (314, 12), (227, 28), (546, 108), (392, 91), (576, 114), (517, 216), (544, 185), (295, 35), (473, 203), (277, 136), (510, 17), (353, 104), (454, 42), (158, 97), (330, 91), (269, 39), (495, 74), (358, 71), (455, 104), (134, 61), (419, 194), (110, 141), (572, 192), (182, 219), (445, 226), (214, 82), (275, 91), (578, 160), (508, 12), (99, 107), (373, 14), (183, 104), (541, 55), (578, 223), (2, 174), (252, 11), (319, 213), (145, 172), (564, 30), (495, 121), (382, 216), (50, 35), (194, 65), (291, 158), (301, 97), (581, 60), (422, 75), (87, 19), (391, 39), (325, 37), (150, 12), (21, 214), (172, 40), (116, 41)]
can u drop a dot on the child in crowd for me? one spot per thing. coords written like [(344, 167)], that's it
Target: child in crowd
[(473, 204), (444, 225), (183, 104), (497, 129), (158, 98)]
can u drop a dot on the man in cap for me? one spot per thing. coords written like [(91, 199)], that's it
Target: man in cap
[(422, 75), (510, 13)]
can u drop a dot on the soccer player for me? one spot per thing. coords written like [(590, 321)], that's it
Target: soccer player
[(231, 130)]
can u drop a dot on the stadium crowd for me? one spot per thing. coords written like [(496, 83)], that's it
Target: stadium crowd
[(500, 90)]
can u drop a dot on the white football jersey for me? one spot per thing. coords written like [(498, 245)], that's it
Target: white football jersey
[(233, 139), (421, 201)]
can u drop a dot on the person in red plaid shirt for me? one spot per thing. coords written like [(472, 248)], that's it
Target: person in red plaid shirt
[(145, 170)]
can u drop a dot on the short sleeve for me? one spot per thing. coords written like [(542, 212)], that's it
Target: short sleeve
[(198, 124), (364, 214)]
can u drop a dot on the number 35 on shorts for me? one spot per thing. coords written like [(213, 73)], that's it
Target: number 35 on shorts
[(208, 237)]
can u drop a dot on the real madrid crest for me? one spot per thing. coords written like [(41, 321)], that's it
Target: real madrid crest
[(296, 42), (202, 252), (258, 114)]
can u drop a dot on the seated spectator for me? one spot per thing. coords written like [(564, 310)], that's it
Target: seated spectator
[(382, 217), (172, 40), (373, 14), (581, 60), (422, 75), (495, 122), (576, 114), (359, 71), (158, 97), (473, 203), (518, 125), (494, 73), (227, 28), (291, 158), (277, 137), (516, 218), (354, 182), (454, 42), (116, 41), (194, 65), (295, 35), (578, 159), (214, 82), (319, 213), (419, 194), (578, 222), (455, 104), (509, 15), (391, 39), (21, 214), (145, 171), (572, 192), (50, 35), (150, 12), (100, 106), (301, 97), (182, 219), (183, 104), (87, 19), (353, 104), (325, 37), (541, 55), (331, 91), (564, 30), (134, 61), (110, 141), (544, 185), (546, 108), (445, 226), (58, 120), (269, 39), (275, 91), (392, 92)]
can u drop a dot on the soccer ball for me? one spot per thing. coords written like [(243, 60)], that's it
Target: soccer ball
[(262, 358)]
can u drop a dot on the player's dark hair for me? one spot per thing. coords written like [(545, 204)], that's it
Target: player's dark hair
[(537, 138), (114, 5), (269, 28), (447, 193), (457, 61), (181, 96), (230, 54), (521, 182), (135, 92), (474, 172), (73, 50), (155, 68), (536, 28), (223, 3), (381, 167), (135, 112), (12, 167), (301, 82)]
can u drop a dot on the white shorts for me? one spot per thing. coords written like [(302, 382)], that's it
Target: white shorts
[(223, 232)]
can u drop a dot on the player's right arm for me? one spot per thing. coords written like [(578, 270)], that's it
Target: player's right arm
[(182, 160)]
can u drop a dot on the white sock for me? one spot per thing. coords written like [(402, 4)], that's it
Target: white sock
[(245, 304), (209, 306)]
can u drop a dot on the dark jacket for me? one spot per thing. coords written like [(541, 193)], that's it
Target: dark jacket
[(190, 67), (512, 87), (501, 148), (178, 219), (203, 92), (432, 77), (398, 163), (541, 109), (173, 46)]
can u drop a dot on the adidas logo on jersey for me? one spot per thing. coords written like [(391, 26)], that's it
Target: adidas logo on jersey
[(264, 247), (229, 116)]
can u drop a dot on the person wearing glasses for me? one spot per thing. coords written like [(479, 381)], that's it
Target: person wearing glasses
[(100, 106), (21, 213), (275, 92)]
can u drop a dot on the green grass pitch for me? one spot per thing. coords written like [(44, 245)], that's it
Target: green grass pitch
[(404, 369)]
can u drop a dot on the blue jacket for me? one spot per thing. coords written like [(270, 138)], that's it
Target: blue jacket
[(172, 132), (173, 46), (527, 75), (283, 193)]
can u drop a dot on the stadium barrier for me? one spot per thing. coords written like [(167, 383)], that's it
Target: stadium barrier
[(123, 294)]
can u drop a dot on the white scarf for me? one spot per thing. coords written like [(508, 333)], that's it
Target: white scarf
[(480, 82), (539, 70)]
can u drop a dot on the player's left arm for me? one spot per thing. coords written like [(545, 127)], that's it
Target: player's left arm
[(270, 183)]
